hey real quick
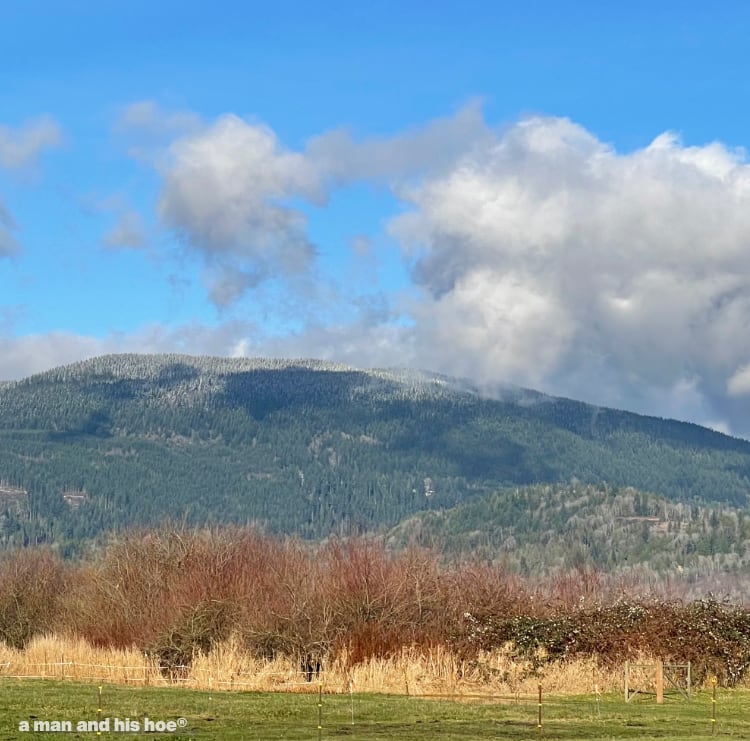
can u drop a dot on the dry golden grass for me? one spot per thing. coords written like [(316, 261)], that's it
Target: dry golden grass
[(54, 657), (229, 666), (494, 673)]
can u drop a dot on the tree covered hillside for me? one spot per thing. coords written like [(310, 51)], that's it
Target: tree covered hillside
[(539, 529), (312, 448)]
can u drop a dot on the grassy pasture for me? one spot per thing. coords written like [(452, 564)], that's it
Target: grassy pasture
[(294, 716)]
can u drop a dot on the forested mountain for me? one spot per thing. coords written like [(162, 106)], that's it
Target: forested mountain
[(538, 529), (313, 448)]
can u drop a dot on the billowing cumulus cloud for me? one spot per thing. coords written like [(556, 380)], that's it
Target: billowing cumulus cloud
[(538, 254), (549, 258), (227, 193), (235, 195)]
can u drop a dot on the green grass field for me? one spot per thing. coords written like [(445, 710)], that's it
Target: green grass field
[(234, 716)]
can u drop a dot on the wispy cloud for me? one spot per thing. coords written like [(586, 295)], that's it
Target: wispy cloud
[(342, 158), (128, 232), (8, 244), (21, 146), (19, 149), (147, 128), (23, 356), (147, 116)]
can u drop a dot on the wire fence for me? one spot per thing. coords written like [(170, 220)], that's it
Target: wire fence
[(142, 674), (327, 709), (151, 673)]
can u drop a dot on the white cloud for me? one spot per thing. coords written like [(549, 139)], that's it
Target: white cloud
[(475, 327), (148, 128), (362, 342), (227, 285), (424, 149), (226, 193), (540, 255), (149, 118), (8, 244), (548, 252), (362, 246), (739, 383), (235, 195), (362, 338), (21, 147), (23, 356), (129, 232)]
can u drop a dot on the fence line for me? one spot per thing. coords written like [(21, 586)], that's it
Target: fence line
[(557, 714), (149, 674), (152, 675), (532, 703)]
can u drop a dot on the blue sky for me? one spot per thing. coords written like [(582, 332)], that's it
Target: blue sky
[(548, 194)]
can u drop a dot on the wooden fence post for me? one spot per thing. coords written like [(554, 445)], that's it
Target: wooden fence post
[(659, 682), (320, 711), (713, 706), (539, 717), (627, 681)]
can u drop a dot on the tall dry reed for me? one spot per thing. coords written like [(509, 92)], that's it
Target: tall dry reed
[(229, 666)]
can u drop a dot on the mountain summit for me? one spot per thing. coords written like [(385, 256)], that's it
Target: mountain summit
[(314, 448)]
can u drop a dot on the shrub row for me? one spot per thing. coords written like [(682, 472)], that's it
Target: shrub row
[(174, 593)]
